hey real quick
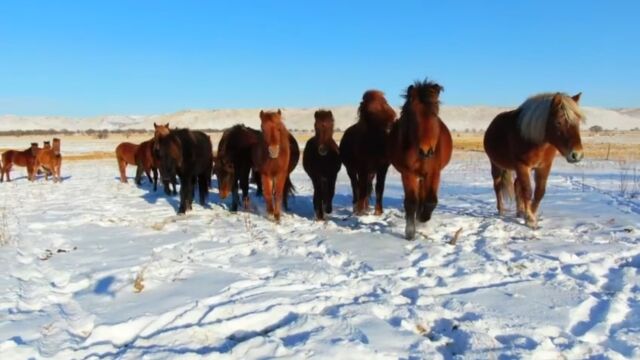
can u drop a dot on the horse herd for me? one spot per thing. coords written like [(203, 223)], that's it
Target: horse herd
[(417, 143), (36, 159)]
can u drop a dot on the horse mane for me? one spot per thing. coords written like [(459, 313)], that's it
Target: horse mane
[(408, 122), (534, 114), (368, 97)]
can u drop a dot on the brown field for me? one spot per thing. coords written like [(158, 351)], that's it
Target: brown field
[(613, 146)]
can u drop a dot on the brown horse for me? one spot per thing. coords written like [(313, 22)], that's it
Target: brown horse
[(188, 155), (49, 158), (233, 163), (147, 163), (126, 155), (420, 147), (271, 158), (528, 138), (25, 158), (321, 161), (363, 150)]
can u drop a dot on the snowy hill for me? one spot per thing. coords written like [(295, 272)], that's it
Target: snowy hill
[(457, 118)]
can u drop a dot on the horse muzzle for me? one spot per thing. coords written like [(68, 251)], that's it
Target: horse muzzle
[(574, 156), (274, 151), (425, 154), (322, 150)]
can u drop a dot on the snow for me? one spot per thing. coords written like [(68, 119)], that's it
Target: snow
[(459, 118), (218, 285)]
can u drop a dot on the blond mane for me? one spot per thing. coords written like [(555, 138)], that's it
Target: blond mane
[(534, 113)]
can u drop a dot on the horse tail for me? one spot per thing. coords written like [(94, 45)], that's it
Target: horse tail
[(506, 183), (289, 189)]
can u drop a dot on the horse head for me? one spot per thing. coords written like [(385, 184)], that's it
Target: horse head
[(374, 110), (563, 126), (271, 125), (323, 126), (422, 107)]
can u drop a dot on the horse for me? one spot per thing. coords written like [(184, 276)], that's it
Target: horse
[(146, 163), (363, 150), (420, 146), (271, 157), (233, 163), (528, 138), (126, 155), (49, 158), (187, 154), (25, 158), (321, 161)]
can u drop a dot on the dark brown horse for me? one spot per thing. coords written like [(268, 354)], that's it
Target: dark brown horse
[(188, 155), (321, 161), (49, 158), (233, 163), (147, 163), (363, 150), (126, 155), (420, 147), (272, 159), (528, 138), (25, 158)]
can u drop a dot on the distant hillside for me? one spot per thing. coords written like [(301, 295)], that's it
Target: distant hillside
[(457, 118)]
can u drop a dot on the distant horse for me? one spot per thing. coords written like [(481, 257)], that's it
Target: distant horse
[(25, 158), (528, 138), (147, 163), (321, 161), (420, 147), (272, 159), (233, 163), (363, 150), (188, 155), (49, 158), (126, 155)]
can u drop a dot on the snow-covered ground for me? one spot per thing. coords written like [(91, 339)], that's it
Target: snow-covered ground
[(458, 118), (96, 269)]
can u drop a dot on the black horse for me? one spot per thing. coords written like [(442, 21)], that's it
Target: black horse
[(187, 154)]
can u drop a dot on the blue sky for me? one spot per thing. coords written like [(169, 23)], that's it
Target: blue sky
[(85, 58)]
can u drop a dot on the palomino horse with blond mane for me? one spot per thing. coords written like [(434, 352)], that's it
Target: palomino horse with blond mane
[(271, 157), (25, 158), (528, 138), (420, 147), (363, 150)]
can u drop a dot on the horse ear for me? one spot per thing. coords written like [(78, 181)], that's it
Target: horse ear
[(316, 114), (261, 114), (440, 89), (576, 97), (167, 125), (411, 91), (155, 126), (279, 112), (330, 113)]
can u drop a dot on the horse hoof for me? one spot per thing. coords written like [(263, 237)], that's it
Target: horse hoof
[(410, 232), (378, 212)]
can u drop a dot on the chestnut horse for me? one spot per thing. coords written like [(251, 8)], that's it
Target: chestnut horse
[(25, 158), (126, 155), (321, 161), (420, 147), (363, 150), (49, 158), (233, 163), (188, 155), (528, 138), (271, 157), (147, 163)]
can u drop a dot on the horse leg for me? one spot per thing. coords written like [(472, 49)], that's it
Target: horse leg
[(540, 176), (258, 179), (244, 185), (203, 189), (429, 195), (524, 180), (235, 198), (148, 172), (380, 180), (497, 174), (353, 179), (410, 184), (519, 203), (280, 181), (267, 187), (139, 171), (330, 191), (184, 195), (122, 165), (155, 178), (363, 190), (317, 197)]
